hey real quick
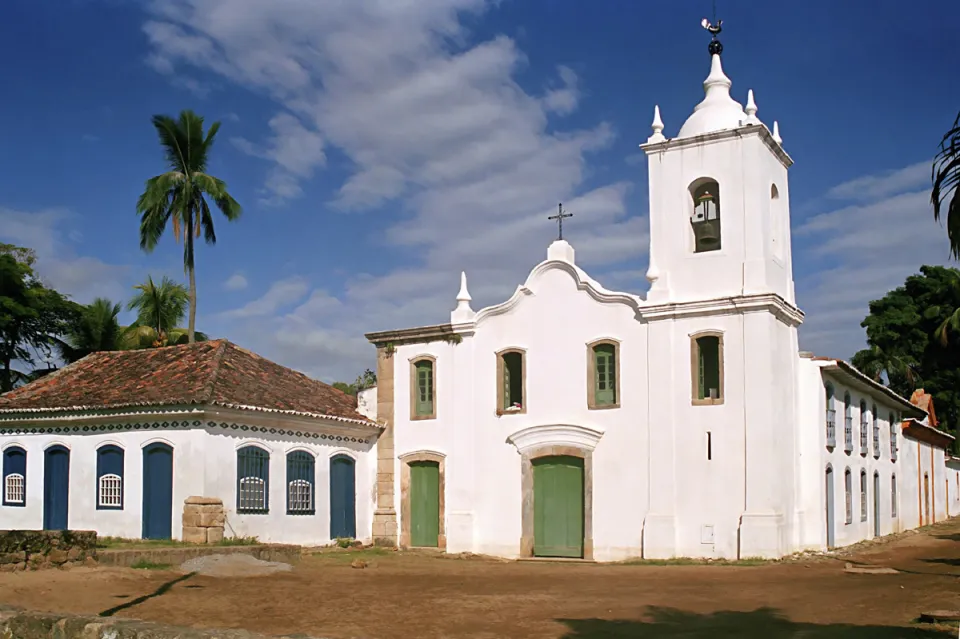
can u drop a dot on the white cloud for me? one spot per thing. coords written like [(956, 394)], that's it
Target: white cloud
[(874, 187), (281, 293), (563, 100), (294, 149), (863, 251), (47, 233), (437, 131), (235, 282)]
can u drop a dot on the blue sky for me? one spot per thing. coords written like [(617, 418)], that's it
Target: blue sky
[(381, 147)]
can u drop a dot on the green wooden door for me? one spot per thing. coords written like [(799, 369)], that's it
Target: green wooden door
[(425, 504), (558, 507)]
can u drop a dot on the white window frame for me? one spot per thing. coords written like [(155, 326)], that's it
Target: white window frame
[(110, 491), (13, 488), (253, 498), (295, 497)]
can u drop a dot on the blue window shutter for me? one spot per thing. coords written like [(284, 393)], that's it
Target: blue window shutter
[(109, 462), (253, 480), (14, 463), (301, 497)]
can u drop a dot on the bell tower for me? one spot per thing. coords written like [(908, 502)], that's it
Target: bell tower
[(719, 213)]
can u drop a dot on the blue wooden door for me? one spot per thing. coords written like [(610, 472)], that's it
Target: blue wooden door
[(56, 487), (343, 498), (157, 491)]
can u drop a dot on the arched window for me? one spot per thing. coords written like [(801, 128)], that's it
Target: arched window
[(511, 382), (603, 375), (876, 432), (423, 384), (863, 427), (253, 480), (301, 479), (831, 417), (777, 223), (706, 363), (14, 476), (893, 437), (705, 218), (109, 478), (848, 494), (847, 423), (863, 495), (893, 495)]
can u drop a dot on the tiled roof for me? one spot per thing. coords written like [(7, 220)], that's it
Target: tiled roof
[(215, 373)]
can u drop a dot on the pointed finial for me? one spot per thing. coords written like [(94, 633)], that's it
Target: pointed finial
[(751, 109), (463, 312), (657, 126), (464, 294), (776, 133)]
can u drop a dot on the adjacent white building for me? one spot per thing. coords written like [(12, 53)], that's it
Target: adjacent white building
[(570, 420)]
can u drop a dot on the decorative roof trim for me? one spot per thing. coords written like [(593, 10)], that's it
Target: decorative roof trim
[(416, 335), (90, 414), (718, 136), (769, 302), (915, 429), (849, 374)]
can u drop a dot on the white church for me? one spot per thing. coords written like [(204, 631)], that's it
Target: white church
[(569, 421)]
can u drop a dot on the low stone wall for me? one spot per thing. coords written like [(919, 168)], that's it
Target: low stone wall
[(175, 556), (38, 549), (23, 624)]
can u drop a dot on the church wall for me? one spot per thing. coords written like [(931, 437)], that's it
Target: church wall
[(483, 484), (188, 461), (220, 454)]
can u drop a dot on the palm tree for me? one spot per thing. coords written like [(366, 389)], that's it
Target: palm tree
[(952, 321), (159, 310), (179, 195), (96, 329), (874, 362), (946, 179)]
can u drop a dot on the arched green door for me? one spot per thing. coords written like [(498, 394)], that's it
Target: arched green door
[(558, 507)]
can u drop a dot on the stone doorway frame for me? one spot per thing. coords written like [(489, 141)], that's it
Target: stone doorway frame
[(405, 514), (549, 441)]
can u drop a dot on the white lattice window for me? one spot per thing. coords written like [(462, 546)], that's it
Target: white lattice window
[(13, 489), (863, 496), (253, 493), (111, 491), (300, 496)]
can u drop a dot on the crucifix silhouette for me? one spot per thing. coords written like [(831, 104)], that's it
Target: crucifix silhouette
[(559, 218)]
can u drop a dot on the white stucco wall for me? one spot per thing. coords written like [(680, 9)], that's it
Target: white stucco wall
[(205, 464)]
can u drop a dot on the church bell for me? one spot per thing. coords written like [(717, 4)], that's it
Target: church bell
[(707, 232), (706, 223)]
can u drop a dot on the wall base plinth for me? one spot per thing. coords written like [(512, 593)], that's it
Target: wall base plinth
[(659, 536), (761, 535)]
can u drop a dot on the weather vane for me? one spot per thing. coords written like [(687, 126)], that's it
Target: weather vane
[(715, 48)]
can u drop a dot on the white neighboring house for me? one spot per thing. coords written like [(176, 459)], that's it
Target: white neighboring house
[(576, 421), (117, 441)]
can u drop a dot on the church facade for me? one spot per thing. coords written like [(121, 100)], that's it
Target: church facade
[(576, 421)]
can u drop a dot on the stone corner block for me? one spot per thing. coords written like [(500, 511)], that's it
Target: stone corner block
[(203, 501)]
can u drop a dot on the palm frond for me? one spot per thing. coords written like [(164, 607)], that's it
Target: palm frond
[(946, 179)]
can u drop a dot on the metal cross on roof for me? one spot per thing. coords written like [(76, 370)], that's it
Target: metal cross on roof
[(559, 218)]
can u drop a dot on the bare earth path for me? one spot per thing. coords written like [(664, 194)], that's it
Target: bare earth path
[(424, 596)]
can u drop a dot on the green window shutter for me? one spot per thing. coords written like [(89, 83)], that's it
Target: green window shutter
[(424, 387), (700, 369), (709, 364), (605, 383), (506, 382)]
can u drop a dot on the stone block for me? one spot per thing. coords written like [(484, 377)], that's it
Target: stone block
[(57, 556), (204, 501), (211, 508), (215, 535), (194, 535), (385, 466), (191, 509), (212, 520), (74, 553), (191, 520), (13, 557)]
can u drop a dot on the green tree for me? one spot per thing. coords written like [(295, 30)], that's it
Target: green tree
[(179, 196), (32, 317), (946, 179), (96, 329), (905, 342), (160, 308), (364, 381)]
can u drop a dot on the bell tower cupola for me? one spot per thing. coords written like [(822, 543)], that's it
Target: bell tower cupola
[(719, 212)]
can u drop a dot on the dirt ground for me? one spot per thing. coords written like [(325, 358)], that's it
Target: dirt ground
[(428, 596)]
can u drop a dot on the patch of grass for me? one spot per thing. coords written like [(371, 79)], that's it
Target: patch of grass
[(692, 561), (239, 541), (144, 564), (120, 542), (338, 554)]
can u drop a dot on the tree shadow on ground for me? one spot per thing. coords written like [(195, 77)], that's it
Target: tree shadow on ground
[(163, 589), (670, 623), (948, 536), (949, 561)]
